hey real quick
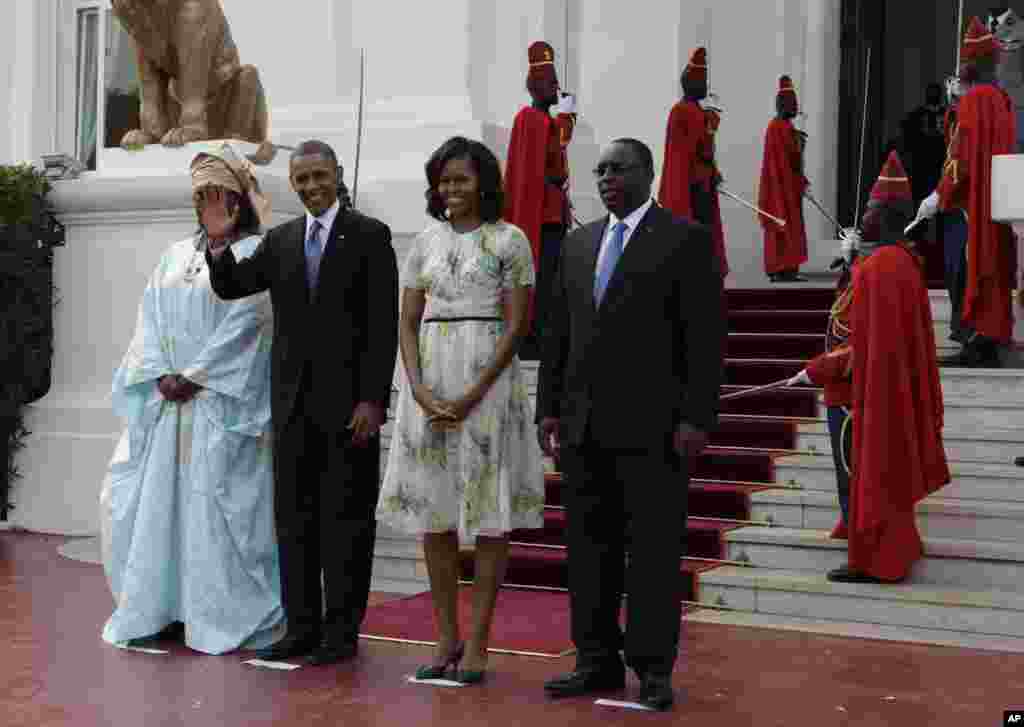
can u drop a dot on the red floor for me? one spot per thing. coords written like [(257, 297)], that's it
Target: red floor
[(55, 670)]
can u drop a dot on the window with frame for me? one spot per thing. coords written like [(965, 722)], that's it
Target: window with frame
[(100, 84)]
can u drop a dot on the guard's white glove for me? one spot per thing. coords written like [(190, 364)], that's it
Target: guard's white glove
[(800, 378), (849, 243), (566, 104), (929, 207)]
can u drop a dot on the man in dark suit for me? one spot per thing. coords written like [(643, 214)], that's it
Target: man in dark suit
[(333, 281), (628, 390)]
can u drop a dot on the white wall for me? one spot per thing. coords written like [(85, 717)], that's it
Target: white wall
[(629, 80)]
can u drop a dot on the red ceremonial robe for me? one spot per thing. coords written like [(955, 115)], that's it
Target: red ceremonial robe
[(898, 456), (688, 134), (986, 126), (781, 193), (528, 198)]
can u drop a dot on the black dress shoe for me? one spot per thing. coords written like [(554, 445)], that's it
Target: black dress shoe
[(330, 652), (289, 647), (956, 359), (844, 574), (656, 692), (587, 680)]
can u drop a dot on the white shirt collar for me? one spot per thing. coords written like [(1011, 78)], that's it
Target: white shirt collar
[(632, 220), (326, 221)]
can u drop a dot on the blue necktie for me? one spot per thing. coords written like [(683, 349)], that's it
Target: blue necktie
[(313, 253), (610, 260)]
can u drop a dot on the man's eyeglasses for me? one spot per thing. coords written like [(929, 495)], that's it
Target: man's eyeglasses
[(612, 169)]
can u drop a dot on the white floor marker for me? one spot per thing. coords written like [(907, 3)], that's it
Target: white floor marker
[(436, 682), (622, 705), (141, 649), (279, 665)]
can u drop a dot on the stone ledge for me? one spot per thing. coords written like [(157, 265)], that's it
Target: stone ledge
[(948, 562), (813, 582), (939, 517), (983, 611), (858, 629)]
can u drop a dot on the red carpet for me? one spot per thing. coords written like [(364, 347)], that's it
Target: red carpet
[(525, 621)]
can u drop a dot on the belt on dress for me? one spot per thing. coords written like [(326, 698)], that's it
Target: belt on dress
[(464, 318)]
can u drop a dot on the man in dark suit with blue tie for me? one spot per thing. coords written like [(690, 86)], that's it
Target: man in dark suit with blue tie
[(333, 281), (628, 391)]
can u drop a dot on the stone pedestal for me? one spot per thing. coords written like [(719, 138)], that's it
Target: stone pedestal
[(119, 222), (1008, 206)]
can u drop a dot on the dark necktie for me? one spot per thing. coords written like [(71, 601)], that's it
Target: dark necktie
[(313, 254), (610, 260)]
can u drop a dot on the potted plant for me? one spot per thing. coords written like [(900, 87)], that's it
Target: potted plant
[(28, 233)]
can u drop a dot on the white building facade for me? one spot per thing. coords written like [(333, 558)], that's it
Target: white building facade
[(431, 70)]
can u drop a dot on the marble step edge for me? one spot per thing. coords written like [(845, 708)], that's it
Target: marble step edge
[(956, 469), (905, 593), (950, 507), (859, 630), (1002, 551), (978, 449)]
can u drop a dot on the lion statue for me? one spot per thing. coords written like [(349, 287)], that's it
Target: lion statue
[(193, 86)]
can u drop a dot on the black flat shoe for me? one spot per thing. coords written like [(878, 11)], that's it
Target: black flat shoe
[(172, 632), (288, 648), (437, 671), (843, 574), (587, 681), (333, 653), (656, 692)]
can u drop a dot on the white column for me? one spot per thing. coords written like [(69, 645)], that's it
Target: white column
[(29, 93)]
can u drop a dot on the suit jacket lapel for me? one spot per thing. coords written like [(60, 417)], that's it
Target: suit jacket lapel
[(590, 257), (296, 250)]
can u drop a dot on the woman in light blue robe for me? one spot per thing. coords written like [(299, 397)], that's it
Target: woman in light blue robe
[(187, 504)]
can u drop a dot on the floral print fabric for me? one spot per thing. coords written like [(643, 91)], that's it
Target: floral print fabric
[(487, 477)]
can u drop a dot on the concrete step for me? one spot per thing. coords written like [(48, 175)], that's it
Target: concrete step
[(994, 445), (971, 480), (781, 592), (858, 630), (983, 387), (938, 517), (949, 562)]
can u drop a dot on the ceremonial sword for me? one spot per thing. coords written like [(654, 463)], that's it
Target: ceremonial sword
[(778, 221), (755, 390), (359, 125)]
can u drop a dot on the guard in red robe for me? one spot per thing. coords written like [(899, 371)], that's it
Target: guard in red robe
[(986, 126), (536, 179), (689, 175), (782, 188), (897, 408)]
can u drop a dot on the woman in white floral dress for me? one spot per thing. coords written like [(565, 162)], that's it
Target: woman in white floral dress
[(463, 461)]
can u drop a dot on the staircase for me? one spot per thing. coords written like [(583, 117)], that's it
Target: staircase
[(969, 588), (762, 502)]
